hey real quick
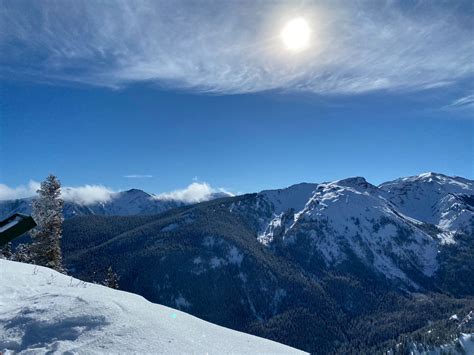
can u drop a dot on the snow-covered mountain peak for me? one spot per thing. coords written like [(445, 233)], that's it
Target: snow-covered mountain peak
[(136, 192), (384, 226), (443, 179), (131, 195), (293, 197), (435, 181), (431, 175), (352, 214), (356, 182), (284, 205), (438, 199)]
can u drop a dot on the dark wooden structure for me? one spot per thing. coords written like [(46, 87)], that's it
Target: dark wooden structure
[(14, 226)]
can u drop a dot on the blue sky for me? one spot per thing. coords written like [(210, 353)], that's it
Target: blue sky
[(206, 93)]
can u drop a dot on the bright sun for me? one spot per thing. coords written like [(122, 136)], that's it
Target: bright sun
[(295, 34)]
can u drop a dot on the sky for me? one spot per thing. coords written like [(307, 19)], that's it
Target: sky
[(196, 97)]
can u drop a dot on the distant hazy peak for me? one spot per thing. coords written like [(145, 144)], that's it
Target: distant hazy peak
[(133, 193)]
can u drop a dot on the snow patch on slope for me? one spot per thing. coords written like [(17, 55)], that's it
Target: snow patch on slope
[(284, 203), (293, 197)]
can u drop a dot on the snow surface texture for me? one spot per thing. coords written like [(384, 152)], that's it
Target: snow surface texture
[(43, 311), (384, 226)]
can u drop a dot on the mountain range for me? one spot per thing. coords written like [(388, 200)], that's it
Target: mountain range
[(124, 203), (335, 267)]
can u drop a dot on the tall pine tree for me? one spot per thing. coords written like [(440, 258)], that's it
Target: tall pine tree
[(48, 215)]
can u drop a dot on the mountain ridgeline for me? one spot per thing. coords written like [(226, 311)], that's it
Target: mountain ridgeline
[(125, 203), (338, 267)]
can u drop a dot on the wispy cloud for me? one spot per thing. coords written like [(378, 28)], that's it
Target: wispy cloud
[(195, 192), (464, 102), (233, 47), (138, 176)]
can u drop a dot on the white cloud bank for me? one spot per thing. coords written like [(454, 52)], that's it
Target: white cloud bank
[(234, 46), (84, 195), (195, 192), (89, 194), (22, 191)]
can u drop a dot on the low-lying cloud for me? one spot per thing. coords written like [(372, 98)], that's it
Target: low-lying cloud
[(229, 47), (195, 192), (22, 191), (83, 195), (87, 194), (90, 194)]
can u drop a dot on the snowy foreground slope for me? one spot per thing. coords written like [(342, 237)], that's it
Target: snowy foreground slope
[(42, 310)]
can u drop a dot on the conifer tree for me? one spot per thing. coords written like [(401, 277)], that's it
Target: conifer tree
[(48, 215), (111, 279), (22, 254), (6, 252)]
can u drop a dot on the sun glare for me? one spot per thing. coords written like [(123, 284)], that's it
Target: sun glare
[(295, 34)]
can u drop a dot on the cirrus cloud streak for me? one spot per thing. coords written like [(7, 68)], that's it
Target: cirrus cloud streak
[(234, 47), (138, 176)]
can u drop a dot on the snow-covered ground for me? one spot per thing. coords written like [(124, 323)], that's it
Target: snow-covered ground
[(42, 311)]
